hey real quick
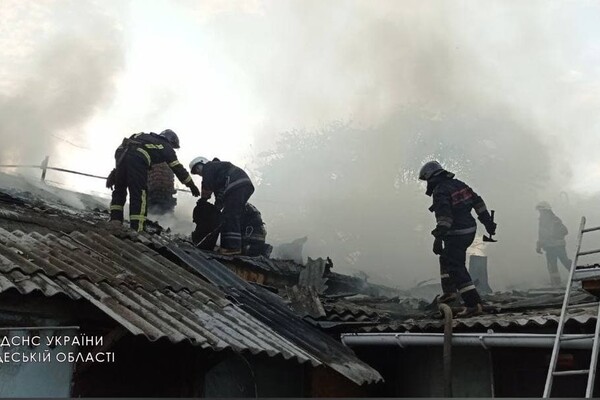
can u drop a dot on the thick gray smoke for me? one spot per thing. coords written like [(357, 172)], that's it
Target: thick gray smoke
[(490, 91), (354, 97), (60, 60)]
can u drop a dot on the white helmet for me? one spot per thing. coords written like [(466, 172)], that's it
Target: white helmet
[(198, 160), (430, 169), (543, 205)]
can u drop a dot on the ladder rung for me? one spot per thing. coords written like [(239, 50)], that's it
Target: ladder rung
[(587, 267), (576, 337), (573, 372), (591, 229), (585, 253), (580, 305), (590, 274)]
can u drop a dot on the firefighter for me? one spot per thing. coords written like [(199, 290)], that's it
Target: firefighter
[(232, 188), (551, 239), (134, 157), (208, 226), (254, 233), (454, 233)]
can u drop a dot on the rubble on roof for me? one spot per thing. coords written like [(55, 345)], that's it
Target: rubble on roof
[(305, 302), (514, 310), (191, 295)]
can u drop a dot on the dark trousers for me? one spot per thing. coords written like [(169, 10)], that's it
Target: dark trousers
[(453, 270), (132, 175), (234, 203), (553, 254)]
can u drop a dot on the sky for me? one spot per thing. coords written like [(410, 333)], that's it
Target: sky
[(331, 106)]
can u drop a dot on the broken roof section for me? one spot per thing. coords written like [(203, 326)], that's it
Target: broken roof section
[(514, 311), (51, 250)]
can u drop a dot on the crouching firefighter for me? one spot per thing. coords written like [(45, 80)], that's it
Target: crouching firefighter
[(207, 218), (232, 188), (453, 201), (254, 233), (134, 157)]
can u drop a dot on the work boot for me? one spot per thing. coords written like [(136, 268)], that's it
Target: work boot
[(230, 252), (115, 223), (470, 311), (447, 298)]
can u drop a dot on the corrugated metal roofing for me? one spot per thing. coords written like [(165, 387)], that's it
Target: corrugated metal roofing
[(282, 267), (149, 295), (270, 309), (138, 288), (536, 308), (533, 319)]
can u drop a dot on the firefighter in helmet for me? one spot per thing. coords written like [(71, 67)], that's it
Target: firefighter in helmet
[(232, 188), (134, 157), (551, 239), (453, 201)]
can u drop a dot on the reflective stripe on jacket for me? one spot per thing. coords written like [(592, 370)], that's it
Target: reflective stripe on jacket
[(154, 149), (453, 201), (222, 176)]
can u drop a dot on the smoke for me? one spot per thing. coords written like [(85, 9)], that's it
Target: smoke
[(60, 59), (360, 96), (345, 101)]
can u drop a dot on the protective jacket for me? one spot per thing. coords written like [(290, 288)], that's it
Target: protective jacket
[(552, 231), (221, 177), (453, 201), (154, 149)]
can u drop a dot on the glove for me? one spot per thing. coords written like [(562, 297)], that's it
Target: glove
[(195, 190), (438, 246), (111, 180), (440, 231), (490, 227), (538, 249)]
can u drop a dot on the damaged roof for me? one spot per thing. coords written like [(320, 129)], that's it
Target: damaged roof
[(263, 264), (515, 310), (156, 288), (270, 309)]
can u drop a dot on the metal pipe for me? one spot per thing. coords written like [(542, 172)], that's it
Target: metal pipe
[(52, 168), (447, 354), (406, 339), (76, 172)]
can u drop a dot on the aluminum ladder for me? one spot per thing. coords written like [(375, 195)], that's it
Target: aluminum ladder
[(575, 275)]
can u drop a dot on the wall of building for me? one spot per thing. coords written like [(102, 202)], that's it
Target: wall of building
[(325, 382), (254, 376), (522, 372), (420, 372), (513, 372), (35, 378), (146, 369)]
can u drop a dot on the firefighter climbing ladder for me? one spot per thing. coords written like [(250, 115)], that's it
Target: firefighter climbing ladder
[(576, 274)]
